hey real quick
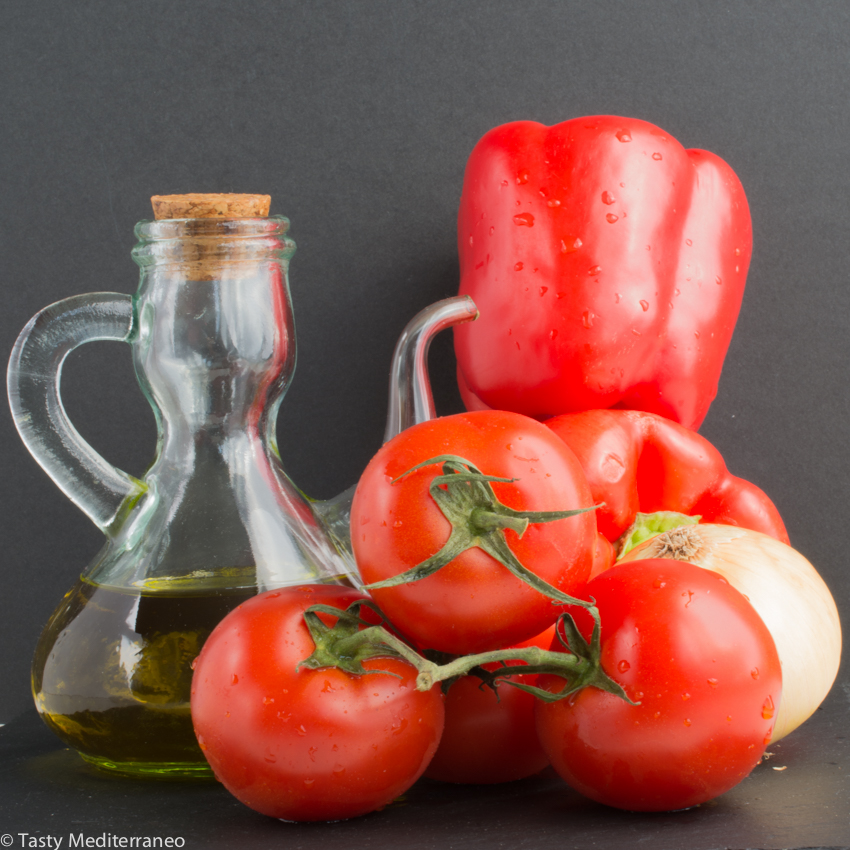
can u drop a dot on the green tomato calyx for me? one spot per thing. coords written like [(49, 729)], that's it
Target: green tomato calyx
[(478, 519)]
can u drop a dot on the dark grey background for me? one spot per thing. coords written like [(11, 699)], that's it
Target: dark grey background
[(357, 117)]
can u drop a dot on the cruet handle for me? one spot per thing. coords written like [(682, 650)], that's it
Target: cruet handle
[(35, 368), (411, 400)]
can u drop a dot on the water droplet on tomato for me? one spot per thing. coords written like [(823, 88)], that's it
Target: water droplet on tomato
[(608, 198), (301, 731), (577, 243), (522, 177), (194, 662), (587, 319), (398, 524), (768, 708), (737, 252), (687, 721), (611, 218), (309, 782), (635, 331), (594, 270), (553, 203), (492, 230), (553, 333), (338, 769), (524, 219), (623, 135), (270, 757), (268, 700), (768, 736), (234, 680), (696, 334), (657, 156), (518, 267), (689, 242), (624, 666), (312, 753), (659, 583), (712, 682), (718, 280), (754, 672), (543, 290), (470, 241), (644, 305)]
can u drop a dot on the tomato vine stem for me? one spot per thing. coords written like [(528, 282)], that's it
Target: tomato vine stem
[(352, 640)]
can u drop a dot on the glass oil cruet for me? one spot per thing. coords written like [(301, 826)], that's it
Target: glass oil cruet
[(215, 520)]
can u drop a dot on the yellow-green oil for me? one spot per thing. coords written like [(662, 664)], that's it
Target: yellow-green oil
[(112, 672)]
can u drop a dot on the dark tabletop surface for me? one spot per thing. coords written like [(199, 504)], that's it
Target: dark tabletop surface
[(797, 797)]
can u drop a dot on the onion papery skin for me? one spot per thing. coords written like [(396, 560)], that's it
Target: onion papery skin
[(788, 594)]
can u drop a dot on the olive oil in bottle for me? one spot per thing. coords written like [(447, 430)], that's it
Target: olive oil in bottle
[(112, 674)]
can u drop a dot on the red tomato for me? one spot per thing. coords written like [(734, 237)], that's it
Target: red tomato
[(691, 650), (474, 603), (490, 738), (309, 745)]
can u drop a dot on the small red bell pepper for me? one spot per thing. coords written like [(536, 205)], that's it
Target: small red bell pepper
[(640, 462), (608, 264)]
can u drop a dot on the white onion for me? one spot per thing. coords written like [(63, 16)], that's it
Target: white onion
[(788, 594)]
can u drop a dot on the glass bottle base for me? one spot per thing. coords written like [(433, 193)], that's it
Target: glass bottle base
[(152, 770)]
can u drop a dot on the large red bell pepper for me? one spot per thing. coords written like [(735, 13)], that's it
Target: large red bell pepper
[(608, 264), (637, 461)]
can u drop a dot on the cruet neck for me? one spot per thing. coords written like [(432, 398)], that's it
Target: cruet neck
[(197, 247)]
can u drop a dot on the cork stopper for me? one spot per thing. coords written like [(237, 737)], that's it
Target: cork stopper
[(210, 206)]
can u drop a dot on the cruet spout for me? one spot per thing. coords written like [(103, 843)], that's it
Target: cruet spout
[(410, 401)]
